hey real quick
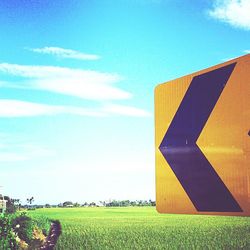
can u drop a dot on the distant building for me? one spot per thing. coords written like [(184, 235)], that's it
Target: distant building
[(99, 204)]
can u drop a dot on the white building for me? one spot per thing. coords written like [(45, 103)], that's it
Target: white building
[(2, 204)]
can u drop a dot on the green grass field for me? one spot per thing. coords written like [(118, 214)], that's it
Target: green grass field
[(144, 228)]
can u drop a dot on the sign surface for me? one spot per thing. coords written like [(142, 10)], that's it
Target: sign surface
[(202, 124)]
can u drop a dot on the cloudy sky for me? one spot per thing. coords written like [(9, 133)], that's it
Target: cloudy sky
[(77, 80)]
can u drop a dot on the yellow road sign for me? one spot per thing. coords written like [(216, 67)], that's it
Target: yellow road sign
[(202, 124)]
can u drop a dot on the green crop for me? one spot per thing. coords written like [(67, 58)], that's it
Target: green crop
[(144, 228)]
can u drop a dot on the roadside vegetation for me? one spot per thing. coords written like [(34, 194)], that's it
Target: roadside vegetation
[(18, 230)]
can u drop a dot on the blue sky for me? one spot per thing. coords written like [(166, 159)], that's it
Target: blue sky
[(77, 81)]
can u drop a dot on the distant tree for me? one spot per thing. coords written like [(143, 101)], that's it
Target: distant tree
[(92, 204), (133, 203), (30, 200), (76, 204), (141, 203), (152, 203), (16, 203), (85, 204), (124, 203), (68, 204)]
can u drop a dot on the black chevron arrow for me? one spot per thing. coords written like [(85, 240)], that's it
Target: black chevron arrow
[(202, 184)]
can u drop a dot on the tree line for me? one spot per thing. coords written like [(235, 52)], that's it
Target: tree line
[(15, 204), (113, 203)]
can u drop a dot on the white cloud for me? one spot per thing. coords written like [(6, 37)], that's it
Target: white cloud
[(247, 51), (234, 12), (15, 148), (125, 110), (14, 108), (86, 84), (65, 53)]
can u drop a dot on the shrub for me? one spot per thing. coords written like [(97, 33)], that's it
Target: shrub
[(14, 228), (7, 236), (23, 226)]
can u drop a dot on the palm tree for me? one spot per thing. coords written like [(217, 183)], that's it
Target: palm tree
[(30, 200)]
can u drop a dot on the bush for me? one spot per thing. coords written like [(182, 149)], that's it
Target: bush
[(23, 227), (7, 236), (14, 228)]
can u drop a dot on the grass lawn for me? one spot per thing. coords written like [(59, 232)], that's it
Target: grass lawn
[(144, 228)]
